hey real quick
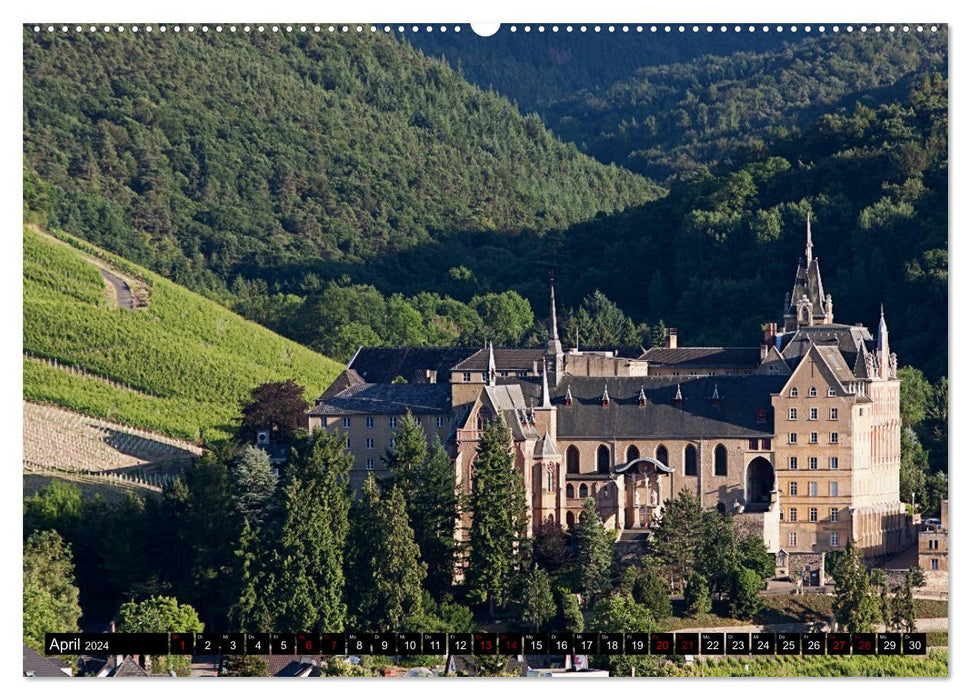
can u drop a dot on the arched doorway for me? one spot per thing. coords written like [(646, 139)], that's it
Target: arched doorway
[(572, 460), (759, 481), (603, 460)]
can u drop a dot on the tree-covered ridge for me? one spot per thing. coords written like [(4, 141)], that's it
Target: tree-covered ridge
[(196, 154), (673, 119)]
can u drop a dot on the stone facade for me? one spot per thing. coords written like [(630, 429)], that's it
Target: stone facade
[(799, 435)]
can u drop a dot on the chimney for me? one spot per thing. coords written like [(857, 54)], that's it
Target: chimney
[(768, 338), (672, 338)]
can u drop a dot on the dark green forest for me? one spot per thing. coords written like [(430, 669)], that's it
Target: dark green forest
[(536, 69), (198, 154)]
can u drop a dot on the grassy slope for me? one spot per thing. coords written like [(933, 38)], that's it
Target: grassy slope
[(195, 359)]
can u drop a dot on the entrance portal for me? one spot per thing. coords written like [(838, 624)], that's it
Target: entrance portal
[(759, 481)]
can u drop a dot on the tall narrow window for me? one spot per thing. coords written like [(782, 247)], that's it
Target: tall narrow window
[(834, 539), (583, 491), (813, 414), (792, 414), (690, 461), (572, 460), (834, 413), (347, 422), (721, 461), (834, 438), (812, 488), (793, 488), (813, 462), (570, 493), (793, 462), (661, 455), (834, 515), (813, 515), (603, 460), (834, 462), (792, 539), (834, 488), (633, 453), (792, 515), (812, 391)]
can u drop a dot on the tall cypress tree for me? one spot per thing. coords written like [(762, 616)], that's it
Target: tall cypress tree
[(498, 502), (595, 554), (676, 540), (427, 481), (306, 589), (856, 607)]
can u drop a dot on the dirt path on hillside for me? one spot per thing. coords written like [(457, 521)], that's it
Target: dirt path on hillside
[(127, 292)]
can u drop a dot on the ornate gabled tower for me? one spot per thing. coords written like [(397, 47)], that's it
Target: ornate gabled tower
[(808, 305), (554, 349)]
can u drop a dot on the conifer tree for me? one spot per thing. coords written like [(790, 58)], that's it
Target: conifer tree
[(253, 483), (307, 589), (594, 554), (386, 566), (427, 481), (498, 503), (538, 604), (677, 538), (856, 607), (697, 597)]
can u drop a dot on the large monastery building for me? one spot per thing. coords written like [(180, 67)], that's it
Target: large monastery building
[(798, 436)]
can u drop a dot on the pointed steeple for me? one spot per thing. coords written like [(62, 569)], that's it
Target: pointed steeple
[(545, 397), (491, 371), (809, 239), (678, 398), (883, 347), (554, 333), (605, 399), (642, 398), (568, 399)]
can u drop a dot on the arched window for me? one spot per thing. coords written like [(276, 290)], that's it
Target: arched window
[(793, 392), (570, 493), (583, 491), (812, 391), (633, 453), (690, 461), (661, 454), (603, 460), (569, 518), (721, 461), (572, 460), (550, 478)]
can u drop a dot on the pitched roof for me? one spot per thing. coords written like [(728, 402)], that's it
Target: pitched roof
[(129, 668), (345, 379), (834, 360), (734, 414), (808, 282), (546, 447), (387, 399), (703, 357), (36, 666), (382, 365), (850, 340), (506, 359)]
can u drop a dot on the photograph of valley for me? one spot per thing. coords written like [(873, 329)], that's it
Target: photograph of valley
[(381, 351)]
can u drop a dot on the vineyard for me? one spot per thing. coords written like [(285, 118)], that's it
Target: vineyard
[(180, 366), (935, 664), (67, 441)]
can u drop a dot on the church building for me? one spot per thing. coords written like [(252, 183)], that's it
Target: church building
[(798, 437)]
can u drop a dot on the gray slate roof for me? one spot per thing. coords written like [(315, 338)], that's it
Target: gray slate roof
[(37, 666), (382, 365), (810, 283), (389, 399), (850, 340), (735, 415), (704, 357)]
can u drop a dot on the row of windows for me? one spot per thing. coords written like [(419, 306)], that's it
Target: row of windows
[(583, 491), (794, 392), (660, 454), (814, 414), (522, 374), (369, 443), (834, 438), (754, 443), (834, 539), (393, 421), (834, 488), (834, 515), (834, 462)]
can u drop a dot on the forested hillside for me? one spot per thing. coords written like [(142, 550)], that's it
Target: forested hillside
[(537, 68), (662, 121), (197, 154)]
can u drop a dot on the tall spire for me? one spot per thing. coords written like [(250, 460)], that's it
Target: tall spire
[(809, 239), (883, 347), (554, 334), (491, 371), (546, 391)]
